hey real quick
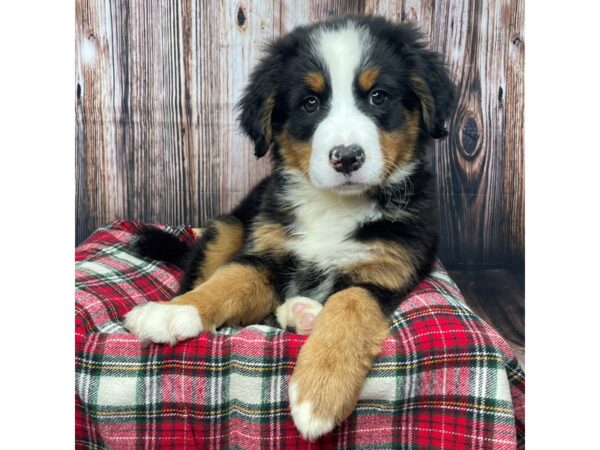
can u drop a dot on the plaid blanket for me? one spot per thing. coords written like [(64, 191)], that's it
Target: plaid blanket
[(444, 379)]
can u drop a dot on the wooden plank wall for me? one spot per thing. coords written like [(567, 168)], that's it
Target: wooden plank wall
[(157, 82)]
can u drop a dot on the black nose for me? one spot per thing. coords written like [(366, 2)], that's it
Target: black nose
[(347, 158)]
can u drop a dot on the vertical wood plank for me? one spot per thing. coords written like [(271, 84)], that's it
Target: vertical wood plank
[(249, 25), (211, 97), (471, 164), (292, 14), (420, 13), (320, 10), (385, 8), (460, 167), (512, 100), (102, 190)]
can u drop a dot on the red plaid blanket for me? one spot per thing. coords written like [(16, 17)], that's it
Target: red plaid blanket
[(445, 378)]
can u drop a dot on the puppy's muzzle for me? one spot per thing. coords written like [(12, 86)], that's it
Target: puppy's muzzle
[(346, 158)]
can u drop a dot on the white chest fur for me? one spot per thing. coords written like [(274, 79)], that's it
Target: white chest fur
[(324, 223)]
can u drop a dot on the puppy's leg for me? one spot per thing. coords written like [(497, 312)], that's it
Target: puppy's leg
[(219, 243), (335, 360), (239, 293), (299, 313)]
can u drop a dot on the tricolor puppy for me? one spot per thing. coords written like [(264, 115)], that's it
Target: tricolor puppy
[(343, 228)]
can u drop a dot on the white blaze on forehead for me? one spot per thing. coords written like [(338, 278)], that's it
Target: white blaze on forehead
[(344, 51)]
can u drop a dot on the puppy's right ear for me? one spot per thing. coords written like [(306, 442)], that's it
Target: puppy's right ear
[(257, 103)]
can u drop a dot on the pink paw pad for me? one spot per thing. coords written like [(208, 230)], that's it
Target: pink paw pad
[(299, 313)]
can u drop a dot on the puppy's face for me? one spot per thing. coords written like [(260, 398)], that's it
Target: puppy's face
[(345, 103)]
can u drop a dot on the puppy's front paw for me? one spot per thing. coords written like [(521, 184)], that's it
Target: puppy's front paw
[(163, 323), (335, 360), (299, 313), (311, 421), (324, 388)]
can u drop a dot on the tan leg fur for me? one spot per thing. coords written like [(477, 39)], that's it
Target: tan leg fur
[(227, 243), (235, 294), (334, 362)]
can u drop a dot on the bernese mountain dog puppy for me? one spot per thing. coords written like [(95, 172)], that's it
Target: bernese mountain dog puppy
[(346, 224)]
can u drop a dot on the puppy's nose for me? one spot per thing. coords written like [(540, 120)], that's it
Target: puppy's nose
[(347, 158)]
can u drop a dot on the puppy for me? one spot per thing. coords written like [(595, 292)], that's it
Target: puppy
[(344, 227)]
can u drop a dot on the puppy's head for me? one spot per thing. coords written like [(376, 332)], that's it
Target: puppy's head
[(347, 103)]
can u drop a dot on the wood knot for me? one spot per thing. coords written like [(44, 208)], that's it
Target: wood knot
[(469, 137), (516, 41), (410, 16), (88, 48), (242, 18)]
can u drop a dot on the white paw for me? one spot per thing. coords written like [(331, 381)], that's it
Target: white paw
[(299, 313), (303, 414), (163, 323)]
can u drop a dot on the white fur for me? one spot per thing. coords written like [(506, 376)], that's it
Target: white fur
[(343, 51), (163, 323), (310, 427), (401, 173), (286, 316), (324, 221)]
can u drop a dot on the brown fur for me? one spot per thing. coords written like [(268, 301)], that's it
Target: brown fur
[(235, 294), (269, 237), (315, 81), (391, 267), (334, 362), (367, 79), (398, 146), (427, 102), (266, 118), (228, 241), (295, 153)]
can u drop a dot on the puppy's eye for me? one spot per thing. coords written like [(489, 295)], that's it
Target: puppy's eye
[(310, 104), (378, 98)]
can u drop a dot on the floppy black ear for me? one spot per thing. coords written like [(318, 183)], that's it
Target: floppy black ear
[(431, 83), (257, 103), (428, 78)]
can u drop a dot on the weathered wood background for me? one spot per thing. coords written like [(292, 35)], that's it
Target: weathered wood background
[(157, 140)]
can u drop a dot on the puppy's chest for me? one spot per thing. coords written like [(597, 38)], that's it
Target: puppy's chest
[(322, 232), (322, 241)]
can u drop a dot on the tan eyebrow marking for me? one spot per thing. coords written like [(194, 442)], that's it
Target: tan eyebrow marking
[(315, 81), (366, 80)]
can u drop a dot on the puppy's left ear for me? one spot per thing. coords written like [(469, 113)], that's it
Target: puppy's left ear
[(431, 83), (258, 101)]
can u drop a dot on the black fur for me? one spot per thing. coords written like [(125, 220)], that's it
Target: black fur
[(152, 242)]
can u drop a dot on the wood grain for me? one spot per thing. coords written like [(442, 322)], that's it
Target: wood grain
[(157, 82)]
